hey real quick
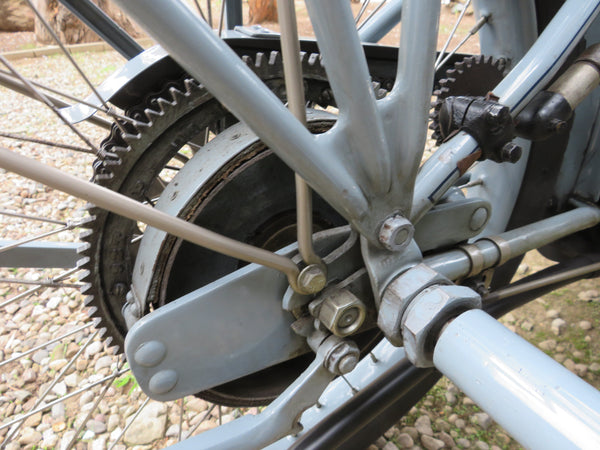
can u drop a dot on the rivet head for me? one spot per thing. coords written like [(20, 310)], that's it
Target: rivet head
[(163, 381), (150, 354), (478, 219)]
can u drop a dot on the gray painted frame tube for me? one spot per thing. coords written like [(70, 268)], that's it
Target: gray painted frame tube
[(538, 401), (382, 22)]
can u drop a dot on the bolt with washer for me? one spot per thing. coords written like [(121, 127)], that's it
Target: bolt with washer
[(312, 279), (396, 233)]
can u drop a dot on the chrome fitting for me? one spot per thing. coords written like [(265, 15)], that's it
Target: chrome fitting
[(340, 356), (396, 233), (397, 296), (342, 313), (428, 313)]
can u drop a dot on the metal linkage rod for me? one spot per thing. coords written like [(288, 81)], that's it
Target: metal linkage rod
[(122, 205), (447, 43), (294, 86), (3, 212)]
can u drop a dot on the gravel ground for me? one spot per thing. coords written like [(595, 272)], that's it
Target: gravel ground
[(564, 324)]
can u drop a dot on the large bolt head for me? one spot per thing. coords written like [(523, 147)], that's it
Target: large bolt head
[(428, 313), (397, 296), (511, 152), (395, 233)]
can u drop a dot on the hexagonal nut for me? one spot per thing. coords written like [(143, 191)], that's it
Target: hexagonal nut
[(396, 232), (342, 312), (426, 316), (340, 356), (397, 296)]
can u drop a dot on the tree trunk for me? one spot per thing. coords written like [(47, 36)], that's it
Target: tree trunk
[(262, 11), (15, 15), (69, 28)]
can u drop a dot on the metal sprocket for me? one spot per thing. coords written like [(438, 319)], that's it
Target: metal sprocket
[(136, 155), (474, 75)]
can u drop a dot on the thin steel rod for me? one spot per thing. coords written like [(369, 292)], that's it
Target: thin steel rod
[(105, 109), (20, 242), (209, 11), (41, 398), (535, 284), (66, 52), (220, 415), (362, 10), (179, 432), (294, 86), (99, 398), (45, 142), (200, 10), (481, 22), (137, 413), (122, 205), (222, 17), (37, 288), (8, 80), (45, 344), (42, 283), (59, 400), (447, 43), (3, 212), (206, 414), (372, 14), (48, 103)]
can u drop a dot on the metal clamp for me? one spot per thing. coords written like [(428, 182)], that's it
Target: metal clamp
[(475, 257), (504, 251)]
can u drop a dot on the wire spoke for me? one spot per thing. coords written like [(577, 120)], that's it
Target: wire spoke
[(49, 104), (41, 398), (109, 382), (480, 23), (66, 52), (41, 283), (4, 212), (122, 433), (362, 11), (200, 10), (370, 16), (46, 344), (451, 35), (26, 240), (45, 142), (206, 414)]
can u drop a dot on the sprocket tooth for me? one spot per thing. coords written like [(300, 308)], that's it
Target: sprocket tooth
[(248, 60), (260, 59), (314, 59), (275, 59)]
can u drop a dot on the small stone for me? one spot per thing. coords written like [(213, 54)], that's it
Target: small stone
[(589, 296), (58, 411), (72, 380), (483, 420), (96, 426), (53, 302), (60, 389), (522, 269), (49, 439), (173, 431), (547, 345), (503, 438), (446, 438), (560, 357), (468, 402), (404, 440), (558, 326), (460, 423), (482, 445), (552, 314), (423, 425), (103, 362), (149, 426), (431, 443), (113, 422), (442, 425), (509, 318), (58, 364), (81, 365), (462, 442), (86, 398), (411, 431), (390, 446), (93, 349), (594, 367), (585, 325), (569, 364), (450, 398), (59, 426), (99, 444), (29, 436), (196, 404), (580, 369), (39, 356), (29, 376), (389, 434), (526, 325), (34, 420), (88, 435)]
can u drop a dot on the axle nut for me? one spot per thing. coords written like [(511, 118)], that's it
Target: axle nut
[(428, 313), (342, 313), (396, 233)]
